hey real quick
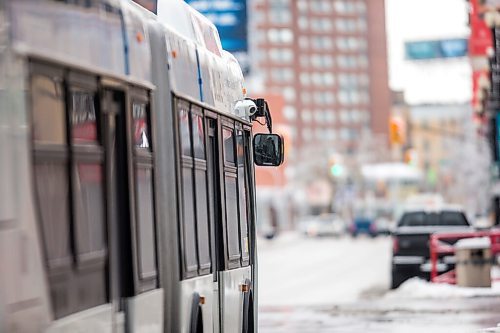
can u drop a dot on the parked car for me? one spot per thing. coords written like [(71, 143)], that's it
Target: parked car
[(363, 225), (411, 254), (322, 225), (383, 225)]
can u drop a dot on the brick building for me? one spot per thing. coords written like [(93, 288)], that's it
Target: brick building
[(328, 59)]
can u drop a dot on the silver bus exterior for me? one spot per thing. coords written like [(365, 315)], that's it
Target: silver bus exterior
[(123, 54)]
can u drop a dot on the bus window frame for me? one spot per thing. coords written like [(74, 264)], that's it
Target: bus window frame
[(141, 158), (251, 205), (229, 169), (91, 152), (218, 237), (201, 164), (183, 161), (245, 257), (213, 161), (75, 266)]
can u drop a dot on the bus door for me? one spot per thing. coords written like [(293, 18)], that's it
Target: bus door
[(214, 211), (235, 273), (129, 174), (113, 109)]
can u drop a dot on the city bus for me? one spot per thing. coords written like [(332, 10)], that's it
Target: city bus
[(126, 171)]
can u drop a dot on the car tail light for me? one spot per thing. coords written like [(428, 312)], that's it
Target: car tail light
[(395, 245)]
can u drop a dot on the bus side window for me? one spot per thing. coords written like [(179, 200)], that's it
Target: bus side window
[(242, 195), (200, 193), (144, 194), (68, 169), (51, 172), (231, 198), (195, 219), (88, 179), (188, 228)]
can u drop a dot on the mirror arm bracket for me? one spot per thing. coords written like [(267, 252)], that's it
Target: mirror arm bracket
[(262, 111)]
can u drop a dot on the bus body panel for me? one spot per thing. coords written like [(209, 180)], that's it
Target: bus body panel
[(232, 296), (23, 289), (138, 45), (145, 312), (203, 286), (98, 319), (163, 131), (183, 65), (91, 37)]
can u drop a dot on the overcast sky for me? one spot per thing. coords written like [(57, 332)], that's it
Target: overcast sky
[(410, 20)]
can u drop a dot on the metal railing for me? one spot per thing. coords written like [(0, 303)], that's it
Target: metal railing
[(438, 247)]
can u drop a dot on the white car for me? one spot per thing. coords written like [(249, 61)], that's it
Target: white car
[(322, 225)]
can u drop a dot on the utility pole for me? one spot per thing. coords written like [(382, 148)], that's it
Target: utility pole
[(493, 114)]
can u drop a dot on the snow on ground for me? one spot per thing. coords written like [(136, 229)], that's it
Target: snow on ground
[(319, 285), (416, 288), (295, 270)]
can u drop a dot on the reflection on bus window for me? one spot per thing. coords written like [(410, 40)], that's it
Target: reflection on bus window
[(49, 124), (232, 218), (141, 131), (242, 193), (147, 253), (198, 136), (189, 230), (83, 117), (228, 138), (184, 129), (89, 208), (53, 197)]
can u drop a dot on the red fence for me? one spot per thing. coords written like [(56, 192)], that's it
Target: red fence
[(439, 247)]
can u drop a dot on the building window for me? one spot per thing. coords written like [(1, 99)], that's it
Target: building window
[(303, 23), (280, 36), (289, 93), (280, 16), (283, 75), (305, 97), (290, 112), (302, 5), (305, 80), (306, 116), (280, 55)]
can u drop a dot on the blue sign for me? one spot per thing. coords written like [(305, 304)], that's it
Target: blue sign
[(230, 18), (435, 49), (497, 136)]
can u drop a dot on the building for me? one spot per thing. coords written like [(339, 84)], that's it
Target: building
[(453, 161), (328, 60), (435, 133)]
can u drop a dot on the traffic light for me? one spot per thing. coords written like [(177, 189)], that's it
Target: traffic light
[(336, 169), (396, 131)]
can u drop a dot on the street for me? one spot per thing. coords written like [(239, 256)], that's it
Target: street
[(341, 285)]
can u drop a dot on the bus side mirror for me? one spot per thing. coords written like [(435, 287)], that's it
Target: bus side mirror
[(268, 149)]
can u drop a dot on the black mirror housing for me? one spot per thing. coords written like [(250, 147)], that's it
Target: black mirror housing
[(268, 149)]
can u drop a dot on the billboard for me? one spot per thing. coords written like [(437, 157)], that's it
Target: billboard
[(230, 18), (435, 49)]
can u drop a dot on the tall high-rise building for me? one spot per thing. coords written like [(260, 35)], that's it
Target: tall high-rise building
[(328, 59)]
